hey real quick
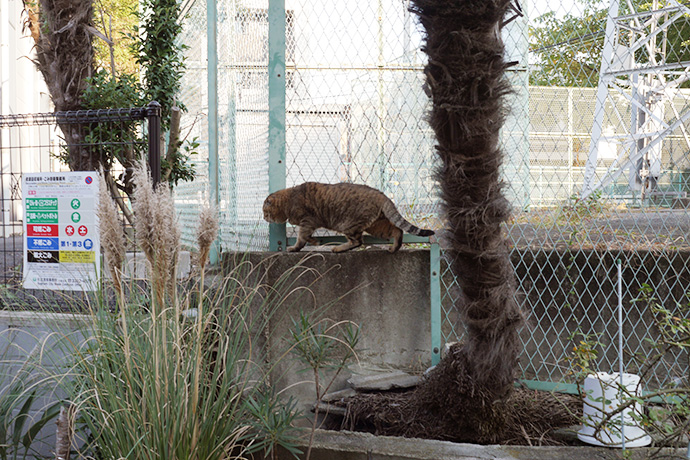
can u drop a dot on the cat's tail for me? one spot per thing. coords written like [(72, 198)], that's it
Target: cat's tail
[(399, 221)]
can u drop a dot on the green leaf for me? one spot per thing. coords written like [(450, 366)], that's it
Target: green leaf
[(49, 414), (22, 417)]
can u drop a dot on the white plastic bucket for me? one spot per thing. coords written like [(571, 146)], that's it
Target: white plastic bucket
[(602, 396)]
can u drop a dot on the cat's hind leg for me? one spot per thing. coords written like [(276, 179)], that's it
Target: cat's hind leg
[(354, 240), (383, 228), (303, 237), (397, 240)]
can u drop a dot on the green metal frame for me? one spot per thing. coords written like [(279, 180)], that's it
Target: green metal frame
[(541, 385), (276, 112), (435, 301), (212, 78)]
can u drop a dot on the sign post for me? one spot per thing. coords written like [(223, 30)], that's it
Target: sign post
[(61, 244)]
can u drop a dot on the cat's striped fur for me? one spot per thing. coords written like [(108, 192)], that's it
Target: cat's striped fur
[(350, 209)]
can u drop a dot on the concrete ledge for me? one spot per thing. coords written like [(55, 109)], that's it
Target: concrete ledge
[(346, 445), (387, 295)]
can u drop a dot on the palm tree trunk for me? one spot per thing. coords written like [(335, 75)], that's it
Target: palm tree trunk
[(62, 32), (466, 81)]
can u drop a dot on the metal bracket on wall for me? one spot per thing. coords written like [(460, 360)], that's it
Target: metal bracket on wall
[(435, 301)]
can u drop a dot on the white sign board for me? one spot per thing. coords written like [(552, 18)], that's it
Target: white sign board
[(61, 244)]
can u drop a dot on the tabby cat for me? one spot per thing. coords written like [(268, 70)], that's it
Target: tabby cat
[(350, 209)]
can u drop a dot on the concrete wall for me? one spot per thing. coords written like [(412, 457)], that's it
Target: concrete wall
[(32, 351), (387, 295)]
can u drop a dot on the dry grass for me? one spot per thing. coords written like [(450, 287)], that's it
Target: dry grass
[(112, 236), (157, 233)]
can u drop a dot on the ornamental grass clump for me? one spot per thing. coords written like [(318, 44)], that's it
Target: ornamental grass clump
[(155, 383)]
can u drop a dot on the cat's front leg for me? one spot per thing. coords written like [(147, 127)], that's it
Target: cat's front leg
[(354, 240), (303, 237)]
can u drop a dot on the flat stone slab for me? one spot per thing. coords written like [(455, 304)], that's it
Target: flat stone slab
[(338, 395), (384, 382), (330, 409)]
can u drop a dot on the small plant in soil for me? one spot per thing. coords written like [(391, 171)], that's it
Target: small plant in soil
[(324, 348), (664, 412)]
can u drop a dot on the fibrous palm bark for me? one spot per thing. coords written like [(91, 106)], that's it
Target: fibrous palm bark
[(62, 31), (464, 397), (466, 80)]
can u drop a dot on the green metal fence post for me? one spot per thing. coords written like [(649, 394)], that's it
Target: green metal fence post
[(212, 79), (276, 112), (435, 298)]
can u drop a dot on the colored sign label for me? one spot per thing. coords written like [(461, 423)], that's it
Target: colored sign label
[(42, 217), (41, 204), (42, 230), (86, 244), (44, 257), (78, 257), (48, 244)]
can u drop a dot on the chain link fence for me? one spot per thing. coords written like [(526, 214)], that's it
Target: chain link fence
[(596, 143)]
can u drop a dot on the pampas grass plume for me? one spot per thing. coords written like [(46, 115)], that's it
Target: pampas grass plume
[(112, 236), (166, 241), (206, 233), (157, 232), (143, 205)]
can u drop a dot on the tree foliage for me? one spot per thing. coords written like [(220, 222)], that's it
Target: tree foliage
[(65, 31), (159, 54), (567, 50), (115, 19), (152, 45)]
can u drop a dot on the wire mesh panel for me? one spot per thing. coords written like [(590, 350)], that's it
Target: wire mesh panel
[(242, 107), (367, 92), (355, 106), (26, 144), (192, 195), (608, 159)]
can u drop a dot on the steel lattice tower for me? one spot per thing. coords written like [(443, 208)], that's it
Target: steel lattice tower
[(638, 68)]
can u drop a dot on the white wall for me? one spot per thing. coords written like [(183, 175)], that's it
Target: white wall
[(22, 89)]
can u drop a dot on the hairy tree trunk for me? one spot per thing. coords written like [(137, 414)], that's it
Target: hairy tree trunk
[(464, 398), (466, 80), (62, 32)]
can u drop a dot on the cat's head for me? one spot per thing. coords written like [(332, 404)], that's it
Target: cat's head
[(275, 208)]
